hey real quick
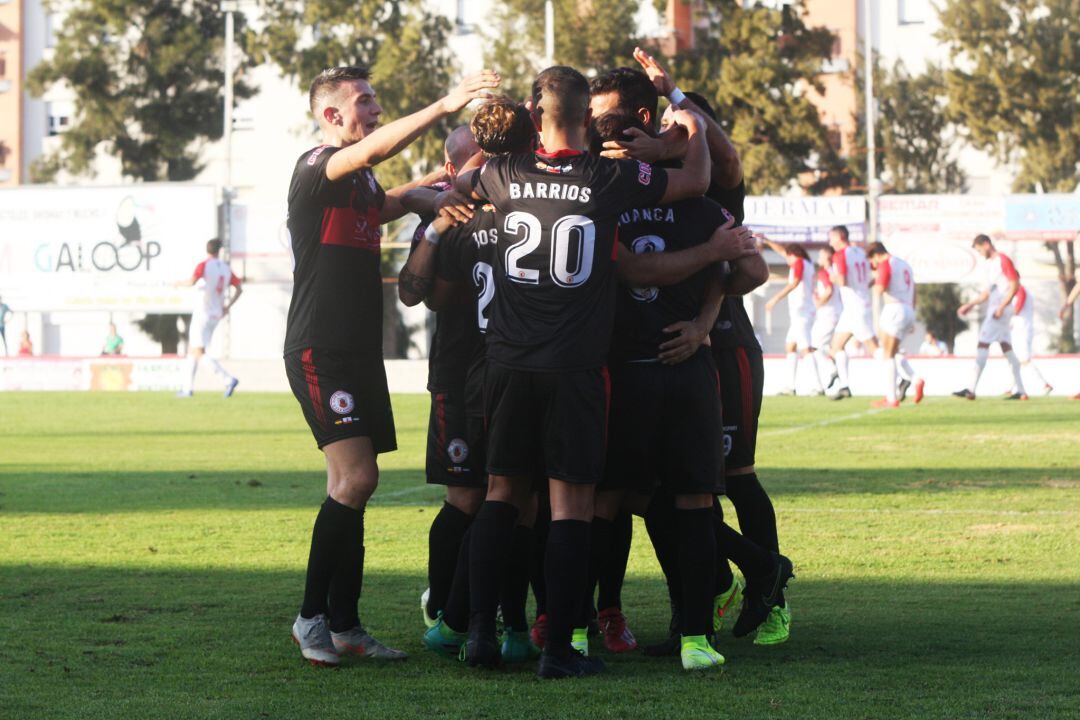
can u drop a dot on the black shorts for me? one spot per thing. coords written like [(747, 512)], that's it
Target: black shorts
[(665, 428), (342, 396), (455, 449), (554, 421), (742, 376)]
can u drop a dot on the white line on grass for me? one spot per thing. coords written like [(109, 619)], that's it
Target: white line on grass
[(820, 423), (925, 511), (403, 491)]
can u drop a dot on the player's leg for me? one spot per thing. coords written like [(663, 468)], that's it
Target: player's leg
[(887, 362), (617, 636), (601, 550), (538, 632), (697, 569), (791, 361), (840, 357), (227, 378), (1018, 377), (516, 645), (191, 367)]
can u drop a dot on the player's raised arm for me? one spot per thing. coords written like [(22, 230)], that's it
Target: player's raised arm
[(387, 141), (692, 180)]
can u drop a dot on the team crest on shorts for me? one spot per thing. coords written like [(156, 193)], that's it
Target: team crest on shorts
[(342, 402), (458, 451)]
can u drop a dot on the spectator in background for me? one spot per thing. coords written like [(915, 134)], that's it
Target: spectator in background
[(26, 347), (114, 344), (932, 346), (5, 310)]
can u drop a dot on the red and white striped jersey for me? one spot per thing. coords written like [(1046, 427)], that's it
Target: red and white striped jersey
[(1000, 272), (894, 276), (213, 278), (822, 286), (801, 299), (850, 263)]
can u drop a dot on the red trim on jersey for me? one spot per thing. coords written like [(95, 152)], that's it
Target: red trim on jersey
[(314, 391), (840, 262), (884, 274), (1007, 267), (824, 278), (565, 152), (607, 401), (234, 280), (346, 227), (1021, 298), (797, 267), (746, 388), (200, 270)]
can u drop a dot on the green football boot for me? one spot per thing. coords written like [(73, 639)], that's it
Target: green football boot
[(441, 640), (777, 627), (517, 647), (580, 640), (698, 654), (725, 604)]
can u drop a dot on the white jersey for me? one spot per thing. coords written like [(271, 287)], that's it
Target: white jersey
[(801, 299), (894, 276), (850, 263), (823, 286), (213, 278), (1000, 272)]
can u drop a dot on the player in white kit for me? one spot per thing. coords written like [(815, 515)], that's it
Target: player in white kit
[(894, 284), (827, 300), (1022, 332), (214, 278), (1002, 284), (851, 272), (799, 292)]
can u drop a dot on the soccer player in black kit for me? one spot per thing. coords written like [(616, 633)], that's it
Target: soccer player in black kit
[(546, 386), (333, 337)]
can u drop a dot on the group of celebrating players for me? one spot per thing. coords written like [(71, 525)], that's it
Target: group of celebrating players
[(592, 360)]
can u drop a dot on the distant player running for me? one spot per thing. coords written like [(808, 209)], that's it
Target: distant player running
[(220, 289), (1002, 284), (1022, 333), (851, 272), (894, 283), (799, 292), (827, 300), (333, 336)]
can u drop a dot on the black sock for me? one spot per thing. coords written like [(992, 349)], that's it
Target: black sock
[(540, 536), (600, 547), (724, 576), (515, 587), (567, 571), (322, 560), (613, 572), (752, 559), (444, 542), (348, 579), (757, 519), (489, 551), (456, 610), (660, 523), (697, 566)]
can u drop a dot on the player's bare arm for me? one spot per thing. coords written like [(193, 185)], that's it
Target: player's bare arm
[(726, 167), (784, 292), (387, 141), (968, 306), (429, 201), (417, 275), (668, 268), (238, 290), (668, 145), (1014, 287), (692, 334), (748, 273), (692, 180), (393, 207)]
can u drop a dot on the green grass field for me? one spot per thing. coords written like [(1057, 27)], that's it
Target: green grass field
[(152, 554)]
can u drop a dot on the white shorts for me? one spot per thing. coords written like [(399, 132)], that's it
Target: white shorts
[(202, 330), (1022, 332), (855, 320), (799, 331), (996, 330), (897, 320), (822, 330)]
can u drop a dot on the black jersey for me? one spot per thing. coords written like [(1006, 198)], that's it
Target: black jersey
[(337, 286), (466, 254), (733, 327), (554, 271), (642, 313)]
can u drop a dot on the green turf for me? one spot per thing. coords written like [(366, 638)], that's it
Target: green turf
[(152, 554)]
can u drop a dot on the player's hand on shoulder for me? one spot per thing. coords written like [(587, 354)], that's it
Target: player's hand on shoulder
[(453, 205), (641, 146), (469, 89), (687, 119)]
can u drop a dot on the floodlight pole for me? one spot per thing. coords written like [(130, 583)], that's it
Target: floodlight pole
[(228, 7), (871, 144), (549, 33)]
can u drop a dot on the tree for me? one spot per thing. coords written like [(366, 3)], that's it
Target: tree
[(402, 43), (914, 137), (938, 303), (753, 64), (148, 82), (1014, 88)]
